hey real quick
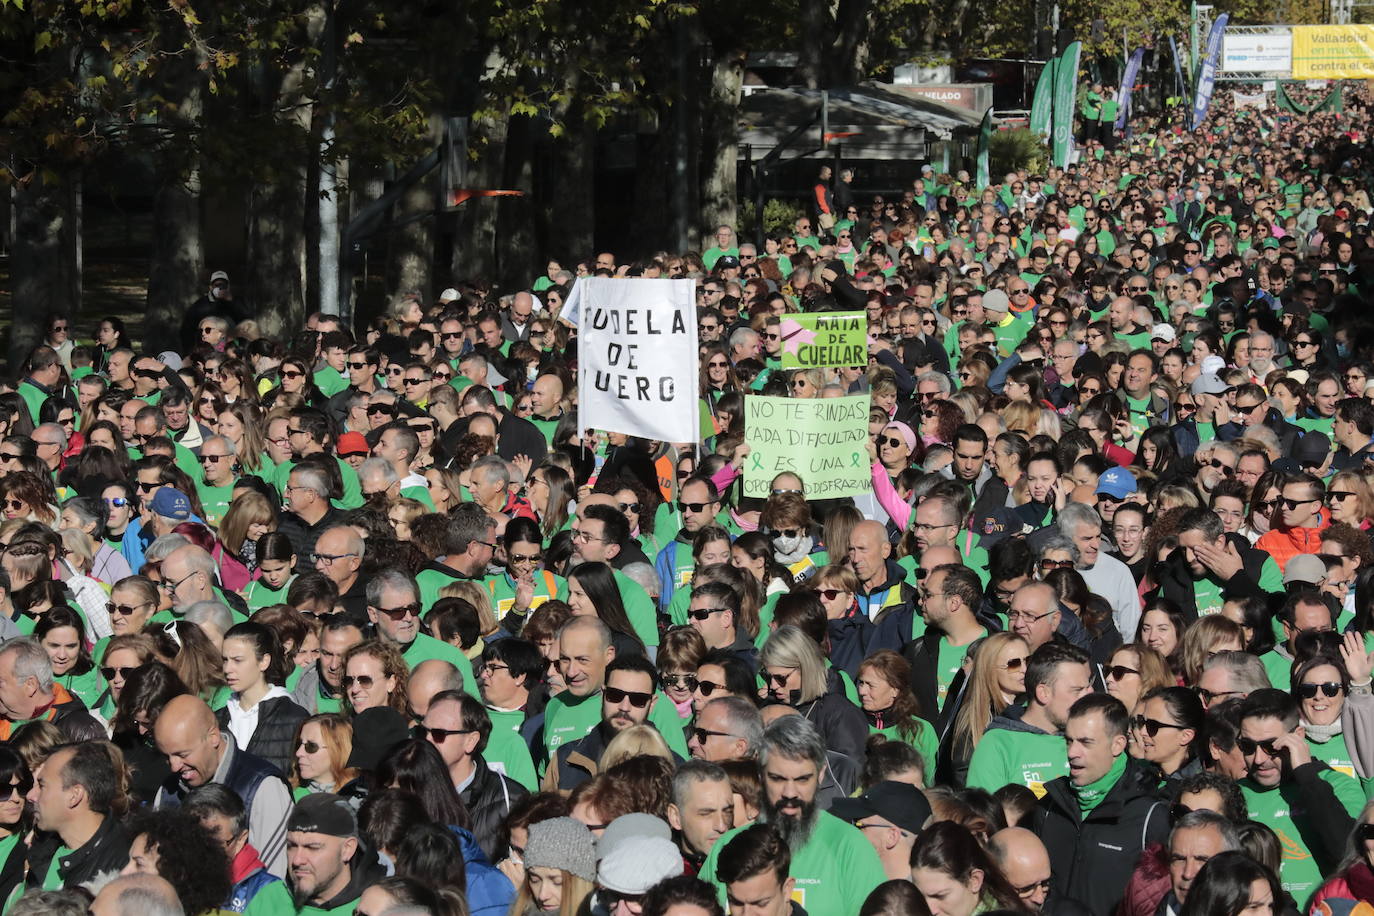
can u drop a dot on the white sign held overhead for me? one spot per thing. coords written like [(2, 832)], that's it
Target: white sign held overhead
[(637, 357), (1249, 53)]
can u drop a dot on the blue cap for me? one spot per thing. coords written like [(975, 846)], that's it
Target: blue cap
[(1117, 483), (169, 502)]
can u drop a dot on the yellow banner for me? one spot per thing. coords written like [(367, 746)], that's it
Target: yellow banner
[(1326, 52)]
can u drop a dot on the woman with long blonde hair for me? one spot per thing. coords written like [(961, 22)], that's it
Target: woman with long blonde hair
[(997, 679)]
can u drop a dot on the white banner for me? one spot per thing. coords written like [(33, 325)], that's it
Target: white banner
[(1258, 100), (1242, 53), (637, 362)]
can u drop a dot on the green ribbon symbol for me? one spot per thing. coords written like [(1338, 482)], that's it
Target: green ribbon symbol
[(758, 463), (853, 459)]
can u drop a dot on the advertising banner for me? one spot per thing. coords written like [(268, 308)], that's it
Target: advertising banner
[(1327, 52), (1065, 99), (1256, 53), (1207, 72)]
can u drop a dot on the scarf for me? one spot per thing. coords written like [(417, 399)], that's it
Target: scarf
[(802, 551), (1322, 733), (743, 523), (1360, 877), (1091, 795)]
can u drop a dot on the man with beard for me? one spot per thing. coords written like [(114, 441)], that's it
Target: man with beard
[(626, 700), (834, 868), (330, 867)]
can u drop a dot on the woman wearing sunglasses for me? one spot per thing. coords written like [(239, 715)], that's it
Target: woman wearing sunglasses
[(319, 760), (16, 820), (996, 669), (795, 672), (375, 674), (1165, 730), (1321, 687), (1135, 670)]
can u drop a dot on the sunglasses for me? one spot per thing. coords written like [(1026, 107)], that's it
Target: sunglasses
[(680, 681), (310, 747), (1225, 469), (440, 735), (357, 366), (117, 502), (638, 700), (1013, 664), (702, 734), (291, 373), (400, 613), (526, 557), (829, 594), (1151, 727), (1294, 503), (15, 504), (1118, 672), (212, 459), (1248, 746), (124, 610), (1309, 691), (387, 409), (890, 441), (704, 613), (395, 370), (778, 680), (1051, 565), (110, 673), (1340, 495), (414, 381), (706, 688), (23, 787), (364, 681), (691, 507)]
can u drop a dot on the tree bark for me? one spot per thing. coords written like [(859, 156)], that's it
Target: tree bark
[(474, 241), (813, 38), (45, 260), (720, 141), (178, 256), (410, 246)]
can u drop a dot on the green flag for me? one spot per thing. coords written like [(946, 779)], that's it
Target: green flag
[(1065, 88), (984, 142), (1043, 101)]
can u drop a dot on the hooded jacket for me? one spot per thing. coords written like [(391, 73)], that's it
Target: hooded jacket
[(1176, 579), (489, 891), (841, 724), (1092, 858)]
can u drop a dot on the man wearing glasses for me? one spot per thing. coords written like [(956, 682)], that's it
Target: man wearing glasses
[(361, 365), (218, 470), (629, 697), (393, 608), (1302, 519)]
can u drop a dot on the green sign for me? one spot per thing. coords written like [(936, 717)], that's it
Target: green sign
[(821, 340), (821, 440)]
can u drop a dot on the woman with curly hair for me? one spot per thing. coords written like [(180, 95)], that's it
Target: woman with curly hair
[(177, 847), (375, 674), (939, 420), (884, 685)]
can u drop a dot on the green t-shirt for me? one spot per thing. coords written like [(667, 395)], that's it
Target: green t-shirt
[(85, 687), (1031, 759), (947, 666), (215, 500), (275, 900), (1207, 594), (508, 753), (259, 594), (926, 742), (330, 381), (352, 489), (1297, 833), (547, 587), (834, 872)]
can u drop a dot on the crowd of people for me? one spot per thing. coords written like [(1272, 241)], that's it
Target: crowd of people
[(367, 622)]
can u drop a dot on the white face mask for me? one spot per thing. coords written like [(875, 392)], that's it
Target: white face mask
[(786, 545)]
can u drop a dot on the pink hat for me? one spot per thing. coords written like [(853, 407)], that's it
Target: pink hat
[(908, 436)]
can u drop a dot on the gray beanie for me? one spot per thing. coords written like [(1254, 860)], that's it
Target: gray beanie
[(563, 843), (634, 868), (996, 300)]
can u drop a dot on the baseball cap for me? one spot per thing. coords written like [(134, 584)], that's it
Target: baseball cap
[(1306, 568), (727, 261), (1117, 483), (900, 804), (1209, 383), (323, 812), (1164, 332), (448, 295), (994, 300), (352, 443), (219, 275), (169, 502), (1212, 364), (1311, 450)]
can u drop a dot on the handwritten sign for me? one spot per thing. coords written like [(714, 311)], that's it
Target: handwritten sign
[(822, 440), (821, 340), (637, 357)]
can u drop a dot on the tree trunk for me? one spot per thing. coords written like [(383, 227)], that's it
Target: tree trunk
[(846, 58), (814, 29), (410, 246), (178, 256), (572, 210), (474, 241), (277, 206), (720, 141), (45, 260), (516, 242)]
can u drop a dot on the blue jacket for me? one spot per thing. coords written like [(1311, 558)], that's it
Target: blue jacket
[(490, 892)]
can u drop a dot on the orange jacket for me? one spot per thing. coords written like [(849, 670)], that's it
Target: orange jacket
[(1285, 543)]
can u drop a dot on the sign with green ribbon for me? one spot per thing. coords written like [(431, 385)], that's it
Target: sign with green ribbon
[(821, 440), (821, 340)]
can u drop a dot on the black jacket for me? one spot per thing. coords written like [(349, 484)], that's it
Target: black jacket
[(303, 535), (1176, 579), (489, 799), (106, 852), (1092, 860), (854, 637), (842, 724), (275, 736)]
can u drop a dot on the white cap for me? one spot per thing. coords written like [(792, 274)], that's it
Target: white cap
[(1164, 332), (1213, 364), (448, 295)]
